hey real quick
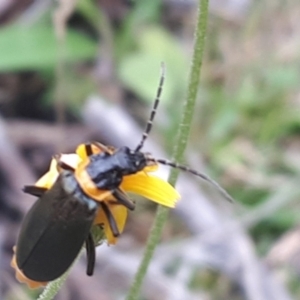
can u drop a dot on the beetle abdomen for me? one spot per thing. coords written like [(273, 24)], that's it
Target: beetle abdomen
[(54, 231)]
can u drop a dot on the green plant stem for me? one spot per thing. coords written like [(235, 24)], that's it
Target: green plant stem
[(53, 287), (180, 144)]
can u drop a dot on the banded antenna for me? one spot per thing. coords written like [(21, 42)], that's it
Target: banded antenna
[(170, 163), (154, 109)]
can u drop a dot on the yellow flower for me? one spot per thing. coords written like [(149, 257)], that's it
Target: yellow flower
[(142, 183)]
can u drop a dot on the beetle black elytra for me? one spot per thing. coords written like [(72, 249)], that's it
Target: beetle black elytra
[(59, 223), (55, 229)]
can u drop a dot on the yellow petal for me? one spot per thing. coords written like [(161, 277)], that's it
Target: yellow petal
[(151, 187), (48, 179), (151, 168), (120, 215), (81, 150), (71, 159)]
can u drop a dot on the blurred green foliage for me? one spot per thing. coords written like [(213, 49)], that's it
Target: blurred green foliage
[(247, 123), (35, 47), (139, 72)]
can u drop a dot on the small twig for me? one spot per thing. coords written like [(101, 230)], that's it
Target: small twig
[(30, 133)]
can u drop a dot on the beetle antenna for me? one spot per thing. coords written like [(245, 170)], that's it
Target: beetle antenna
[(153, 111), (196, 173), (91, 254)]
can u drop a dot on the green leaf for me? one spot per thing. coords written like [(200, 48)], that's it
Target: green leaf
[(23, 48), (139, 71)]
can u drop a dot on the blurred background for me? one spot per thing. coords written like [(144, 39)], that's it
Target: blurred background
[(76, 71)]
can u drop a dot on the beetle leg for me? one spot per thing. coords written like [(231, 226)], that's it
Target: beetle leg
[(111, 220), (88, 149), (95, 148), (103, 148), (91, 254), (123, 199), (34, 190)]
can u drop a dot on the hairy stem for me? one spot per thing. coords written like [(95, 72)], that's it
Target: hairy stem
[(180, 144)]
